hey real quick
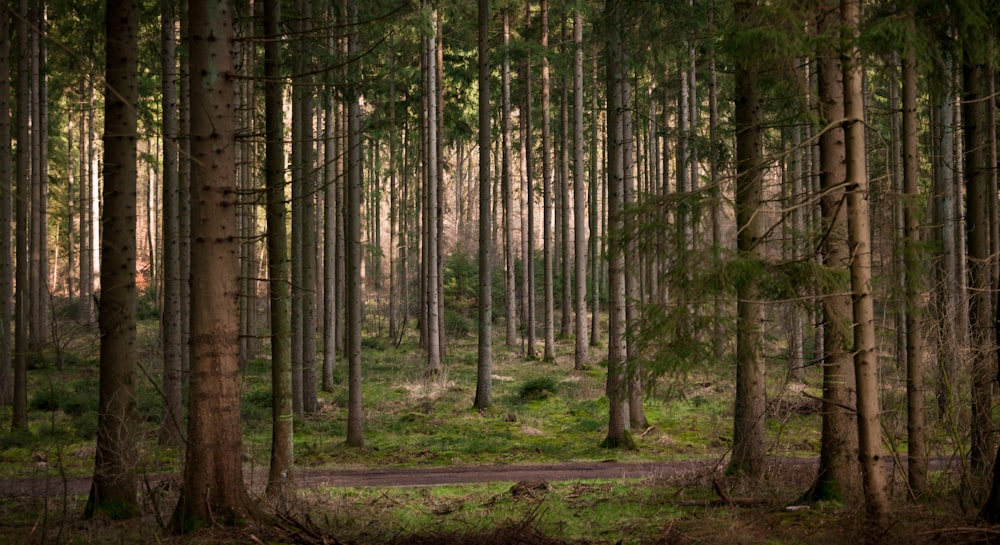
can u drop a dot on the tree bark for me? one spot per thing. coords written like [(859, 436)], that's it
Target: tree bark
[(280, 473), (484, 393), (213, 491), (172, 410), (352, 236), (873, 478), (977, 227), (839, 472), (548, 303), (114, 487), (618, 435), (509, 250), (22, 159), (748, 429), (913, 259), (580, 352), (432, 294), (6, 219)]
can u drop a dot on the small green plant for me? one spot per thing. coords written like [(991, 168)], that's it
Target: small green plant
[(538, 388)]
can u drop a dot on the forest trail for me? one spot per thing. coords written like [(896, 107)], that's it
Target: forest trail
[(316, 477)]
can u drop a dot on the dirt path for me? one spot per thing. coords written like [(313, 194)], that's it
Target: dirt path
[(439, 475)]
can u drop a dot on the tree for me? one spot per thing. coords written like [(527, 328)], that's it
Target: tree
[(282, 424), (352, 236), (6, 218), (977, 228), (23, 172), (484, 396), (548, 250), (913, 259), (579, 203), (839, 473), (510, 255), (748, 427), (431, 284), (873, 477), (113, 490), (213, 489), (171, 418), (618, 435)]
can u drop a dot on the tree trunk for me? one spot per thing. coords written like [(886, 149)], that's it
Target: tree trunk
[(22, 191), (172, 410), (114, 487), (213, 491), (6, 219), (279, 476), (484, 394), (977, 227), (839, 473), (596, 256), (873, 478), (308, 292), (432, 294), (528, 169), (913, 259), (38, 294), (352, 235), (548, 251), (618, 435), (509, 251), (580, 354), (85, 309), (748, 429), (331, 205)]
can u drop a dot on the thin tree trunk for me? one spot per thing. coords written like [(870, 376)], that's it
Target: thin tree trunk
[(977, 228), (484, 393), (280, 472), (580, 354), (913, 260), (618, 435), (432, 239), (22, 192), (873, 478), (528, 169), (352, 235), (596, 256), (509, 251), (113, 490), (748, 429), (839, 473), (548, 302), (6, 218), (172, 410)]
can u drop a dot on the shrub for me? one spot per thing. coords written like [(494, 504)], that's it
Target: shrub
[(538, 388)]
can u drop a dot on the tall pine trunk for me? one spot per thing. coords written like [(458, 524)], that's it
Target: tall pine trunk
[(172, 411), (580, 354), (213, 491), (114, 487), (279, 476), (748, 427), (873, 478), (484, 391), (839, 472)]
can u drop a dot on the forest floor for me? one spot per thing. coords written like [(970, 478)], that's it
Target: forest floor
[(529, 504)]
